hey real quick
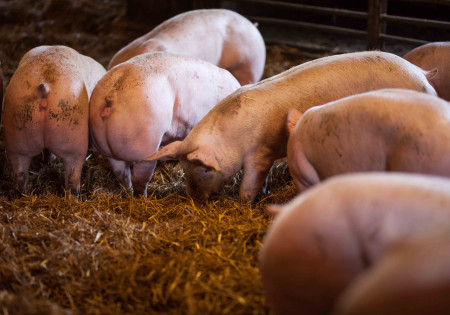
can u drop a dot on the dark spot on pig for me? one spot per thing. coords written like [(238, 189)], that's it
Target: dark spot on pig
[(28, 85), (118, 85), (24, 116), (49, 74), (66, 113), (326, 124), (368, 59)]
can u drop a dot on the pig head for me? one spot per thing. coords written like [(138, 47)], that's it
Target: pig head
[(205, 173)]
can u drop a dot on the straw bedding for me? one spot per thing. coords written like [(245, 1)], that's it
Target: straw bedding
[(110, 253)]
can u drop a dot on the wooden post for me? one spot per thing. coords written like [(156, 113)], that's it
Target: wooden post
[(375, 24)]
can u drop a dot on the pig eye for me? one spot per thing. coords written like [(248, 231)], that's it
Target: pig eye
[(203, 172)]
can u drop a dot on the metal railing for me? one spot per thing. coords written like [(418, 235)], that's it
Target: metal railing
[(376, 16)]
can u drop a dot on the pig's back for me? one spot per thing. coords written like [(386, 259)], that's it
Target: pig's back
[(392, 129), (198, 33)]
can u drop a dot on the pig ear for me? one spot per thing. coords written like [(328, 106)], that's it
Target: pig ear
[(274, 210), (431, 74), (172, 151), (294, 115), (206, 157)]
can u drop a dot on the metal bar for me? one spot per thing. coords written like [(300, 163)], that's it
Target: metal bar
[(404, 39), (308, 8), (415, 21), (444, 2), (314, 26), (306, 50)]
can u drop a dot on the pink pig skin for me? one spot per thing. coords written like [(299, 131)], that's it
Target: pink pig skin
[(322, 240), (248, 129), (411, 278), (385, 130), (219, 36), (148, 101), (432, 56), (46, 106)]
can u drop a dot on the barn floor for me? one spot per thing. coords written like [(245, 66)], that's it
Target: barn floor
[(111, 253)]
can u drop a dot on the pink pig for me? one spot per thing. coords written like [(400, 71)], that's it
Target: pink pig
[(322, 240), (413, 278), (46, 106), (219, 36), (248, 129), (432, 56), (385, 130), (148, 101)]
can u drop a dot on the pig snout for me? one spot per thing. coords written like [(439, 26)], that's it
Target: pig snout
[(197, 194), (202, 182)]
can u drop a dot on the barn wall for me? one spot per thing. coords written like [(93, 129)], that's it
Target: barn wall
[(371, 24)]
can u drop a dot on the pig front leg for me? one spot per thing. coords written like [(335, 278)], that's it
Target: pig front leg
[(142, 173), (73, 167), (256, 170), (20, 165), (122, 171)]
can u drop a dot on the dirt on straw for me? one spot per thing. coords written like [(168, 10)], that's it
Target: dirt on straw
[(110, 253)]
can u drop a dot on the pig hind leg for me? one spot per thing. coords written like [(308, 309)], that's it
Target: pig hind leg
[(122, 172), (73, 167), (142, 173), (20, 170)]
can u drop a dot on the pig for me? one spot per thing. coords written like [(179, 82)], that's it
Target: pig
[(323, 239), (46, 106), (222, 37), (411, 278), (148, 101), (431, 56), (248, 129), (384, 130)]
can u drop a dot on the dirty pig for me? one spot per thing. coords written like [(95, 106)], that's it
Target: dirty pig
[(247, 130), (46, 106), (148, 101), (385, 130), (222, 37), (323, 240), (434, 56)]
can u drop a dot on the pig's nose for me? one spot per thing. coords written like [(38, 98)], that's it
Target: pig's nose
[(198, 197)]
